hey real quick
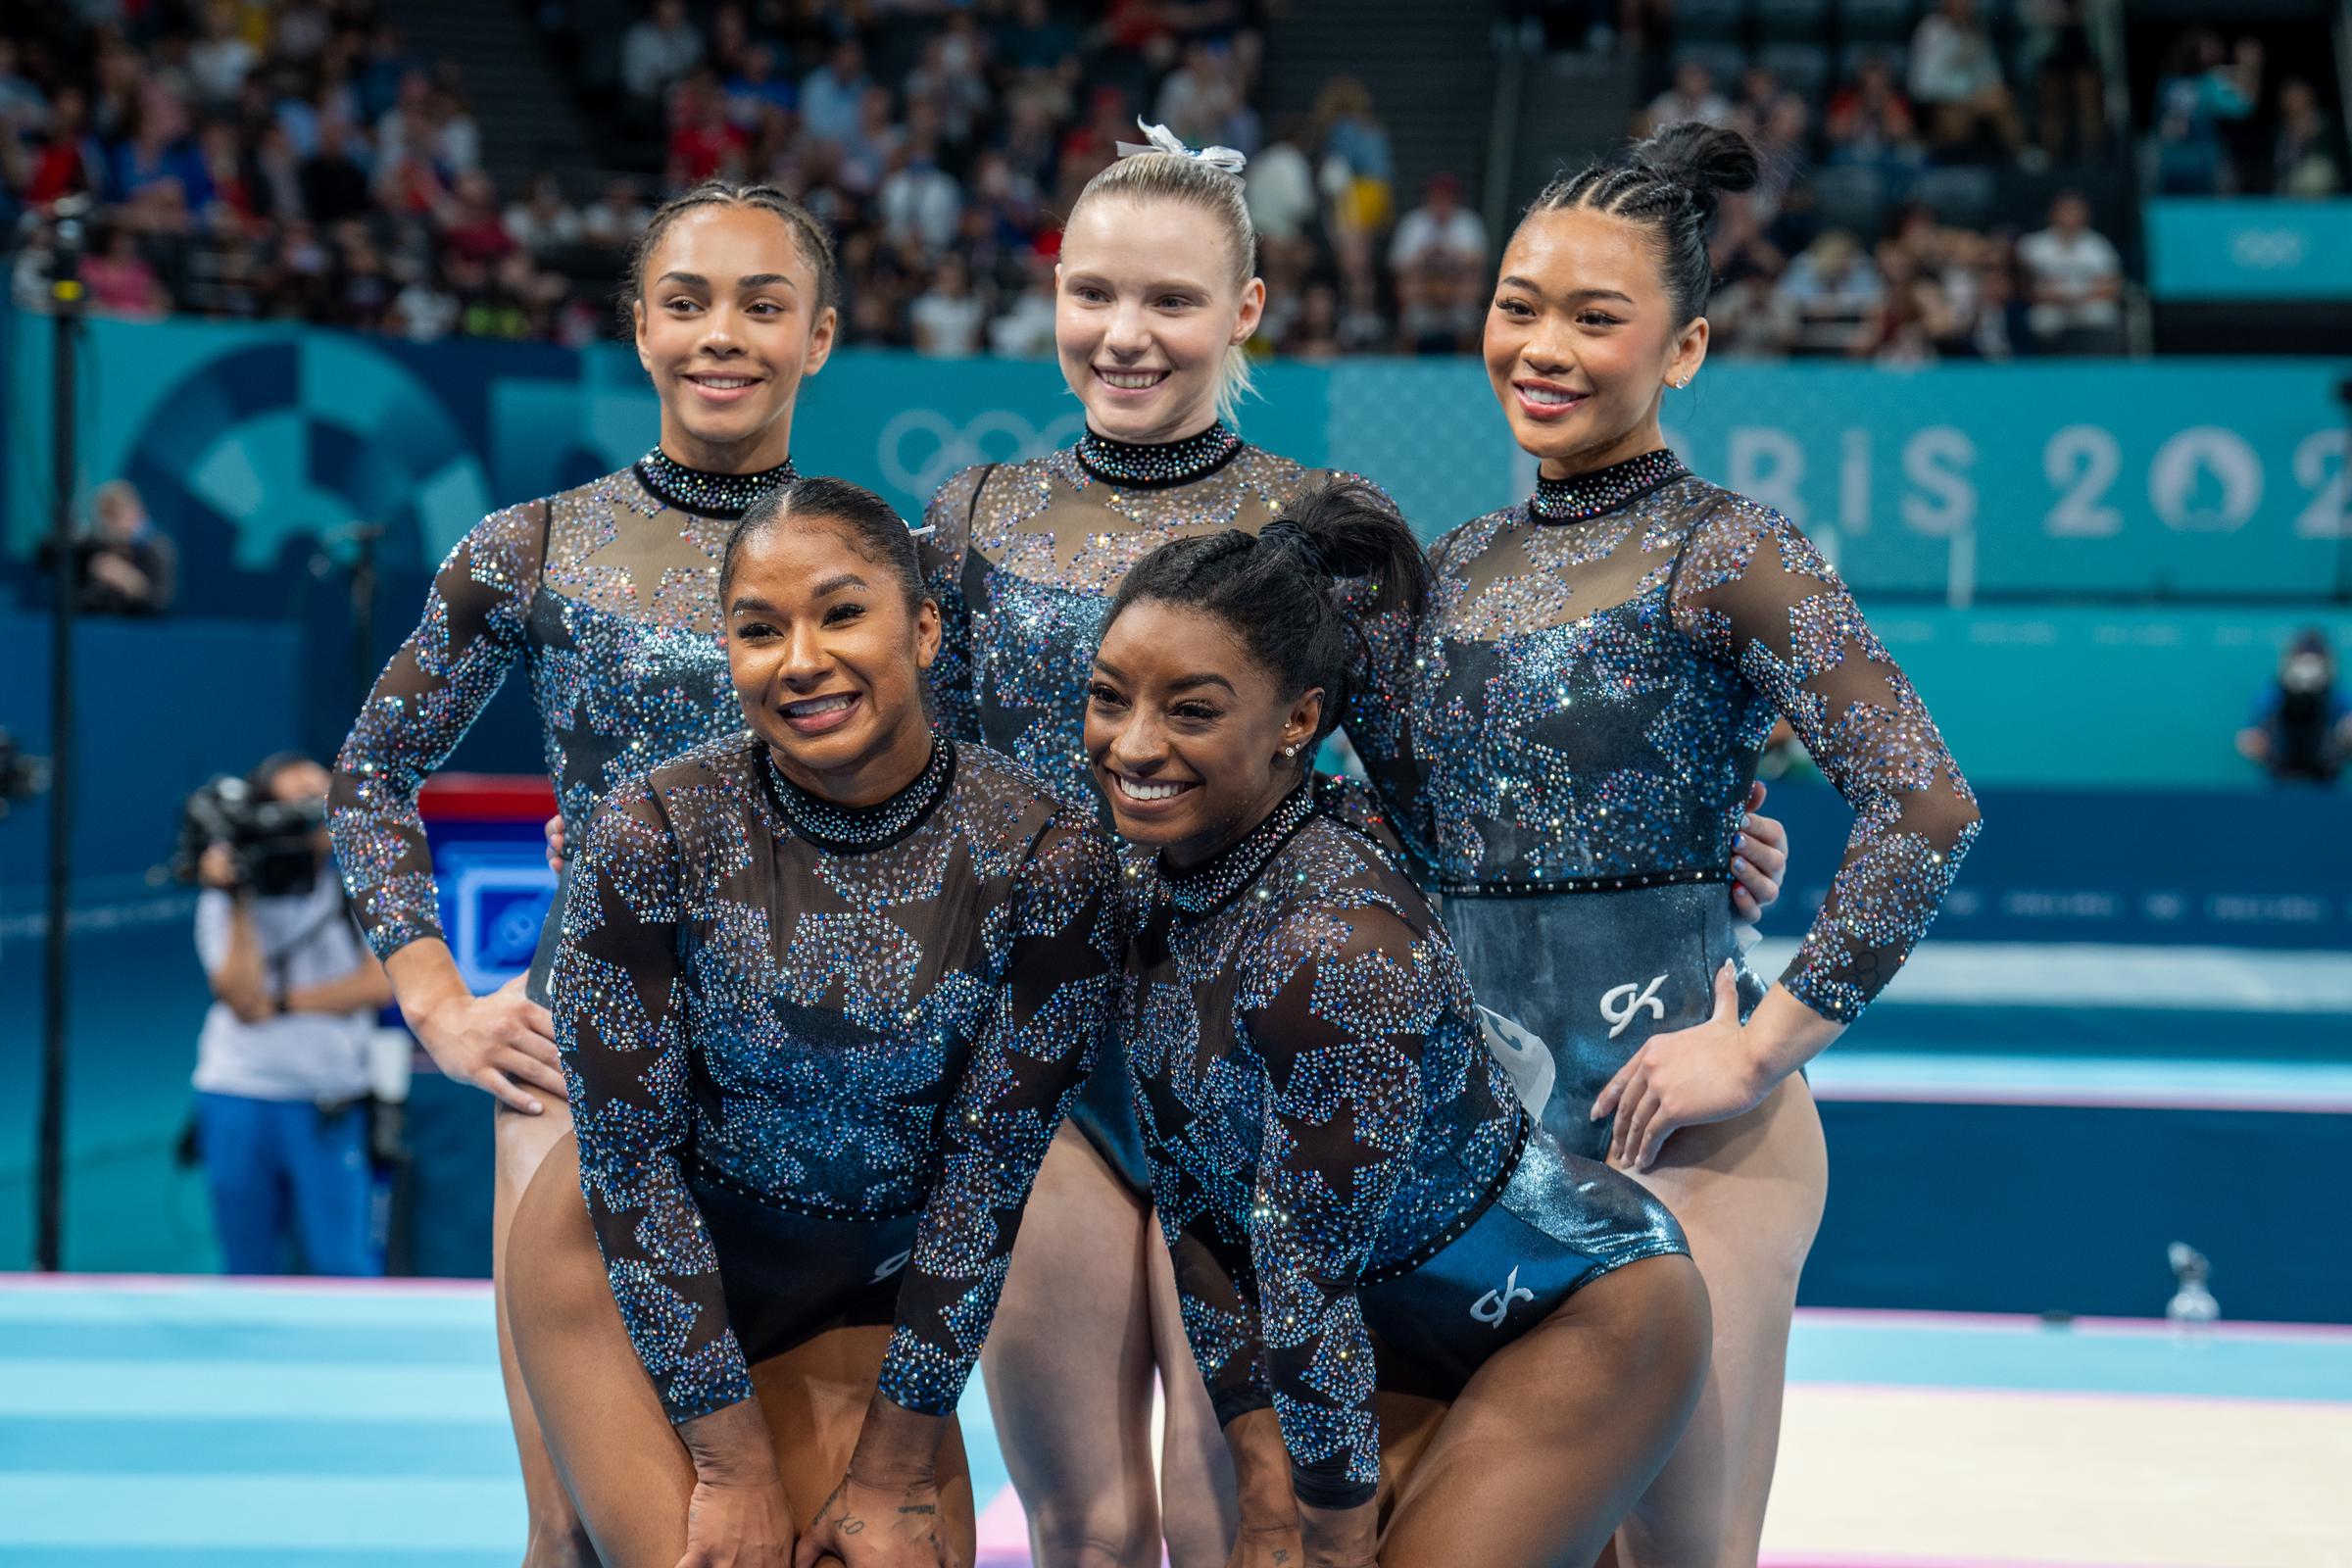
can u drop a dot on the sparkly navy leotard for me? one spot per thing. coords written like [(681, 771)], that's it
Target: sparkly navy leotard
[(1336, 1156), (812, 1049), (1023, 558), (608, 595), (1566, 739)]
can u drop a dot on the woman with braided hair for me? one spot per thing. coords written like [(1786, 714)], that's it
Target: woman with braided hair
[(1156, 295), (1565, 738), (1433, 1336), (607, 596)]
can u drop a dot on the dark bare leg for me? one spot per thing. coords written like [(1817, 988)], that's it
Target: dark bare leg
[(607, 1432), (1556, 1436), (1069, 1366)]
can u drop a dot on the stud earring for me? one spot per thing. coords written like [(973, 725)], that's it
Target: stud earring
[(1291, 749)]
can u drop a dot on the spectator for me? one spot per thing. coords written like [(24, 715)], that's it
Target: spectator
[(919, 203), (1784, 144), (1956, 78), (1835, 294), (833, 97), (219, 63), (2067, 80), (2300, 730), (2309, 160), (128, 567), (1691, 97), (1869, 124), (616, 218), (1359, 174), (334, 183), (2201, 86), (657, 51), (948, 317), (1035, 39), (545, 223), (1024, 329), (2074, 282), (755, 94), (281, 1067), (1440, 233), (120, 282), (1281, 191), (1743, 316), (470, 225), (1201, 101), (1314, 334), (704, 143)]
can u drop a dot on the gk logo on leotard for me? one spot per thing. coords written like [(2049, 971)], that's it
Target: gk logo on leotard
[(891, 1265), (1622, 1004), (1494, 1306)]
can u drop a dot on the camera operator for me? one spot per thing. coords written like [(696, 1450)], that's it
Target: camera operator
[(281, 1069)]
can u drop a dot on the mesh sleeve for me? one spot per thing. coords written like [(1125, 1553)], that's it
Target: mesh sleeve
[(1754, 593), (472, 629)]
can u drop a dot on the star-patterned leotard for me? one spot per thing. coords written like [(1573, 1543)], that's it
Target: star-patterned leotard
[(813, 1048)]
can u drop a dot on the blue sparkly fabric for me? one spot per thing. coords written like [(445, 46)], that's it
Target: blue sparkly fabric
[(1321, 1113), (607, 594), (850, 1033), (1023, 558), (1581, 706)]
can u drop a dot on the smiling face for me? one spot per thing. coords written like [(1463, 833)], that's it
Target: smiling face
[(1581, 340), (828, 657), (728, 322), (1146, 305), (1186, 731)]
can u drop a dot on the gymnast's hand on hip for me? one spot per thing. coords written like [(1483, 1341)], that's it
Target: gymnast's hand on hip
[(1704, 1073)]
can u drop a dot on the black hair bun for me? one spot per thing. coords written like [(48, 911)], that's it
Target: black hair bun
[(1702, 159)]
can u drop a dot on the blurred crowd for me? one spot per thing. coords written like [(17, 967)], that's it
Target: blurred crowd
[(295, 158)]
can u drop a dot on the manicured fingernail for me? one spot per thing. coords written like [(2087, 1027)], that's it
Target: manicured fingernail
[(1739, 839)]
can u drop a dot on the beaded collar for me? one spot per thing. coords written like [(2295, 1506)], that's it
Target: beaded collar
[(1221, 878), (1580, 496), (848, 829), (725, 496), (1148, 466)]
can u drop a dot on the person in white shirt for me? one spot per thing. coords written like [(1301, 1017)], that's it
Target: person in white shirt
[(1956, 80), (281, 1067), (1691, 97), (657, 50), (1441, 231), (2075, 282)]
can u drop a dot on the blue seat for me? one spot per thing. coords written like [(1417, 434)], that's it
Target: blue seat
[(1961, 196), (1879, 20), (1710, 20), (1792, 19), (1804, 69)]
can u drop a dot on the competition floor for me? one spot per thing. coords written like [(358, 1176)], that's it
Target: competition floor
[(200, 1423)]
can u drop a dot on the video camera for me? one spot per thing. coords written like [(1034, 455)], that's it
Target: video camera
[(272, 841)]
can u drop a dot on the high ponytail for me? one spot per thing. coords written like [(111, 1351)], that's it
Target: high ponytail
[(1671, 185), (1278, 593)]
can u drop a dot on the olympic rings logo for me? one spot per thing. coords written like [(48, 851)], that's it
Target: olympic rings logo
[(2267, 250), (919, 448)]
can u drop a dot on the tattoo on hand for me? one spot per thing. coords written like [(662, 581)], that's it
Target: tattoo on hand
[(849, 1526)]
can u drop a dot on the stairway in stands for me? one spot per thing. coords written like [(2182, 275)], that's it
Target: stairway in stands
[(526, 117), (1431, 68)]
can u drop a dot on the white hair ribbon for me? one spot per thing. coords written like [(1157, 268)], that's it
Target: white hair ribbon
[(1160, 139)]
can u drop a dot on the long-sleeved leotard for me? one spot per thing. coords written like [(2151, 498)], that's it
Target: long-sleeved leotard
[(1024, 559), (1581, 709), (609, 596), (1322, 1119), (851, 1014)]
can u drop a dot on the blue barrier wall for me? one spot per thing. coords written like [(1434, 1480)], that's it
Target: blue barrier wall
[(2183, 479)]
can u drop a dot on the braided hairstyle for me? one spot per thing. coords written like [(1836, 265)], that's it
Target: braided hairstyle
[(1669, 184), (809, 237), (878, 534), (1277, 591)]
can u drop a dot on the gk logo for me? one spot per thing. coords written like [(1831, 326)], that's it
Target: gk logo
[(1621, 1004), (891, 1265), (1494, 1306)]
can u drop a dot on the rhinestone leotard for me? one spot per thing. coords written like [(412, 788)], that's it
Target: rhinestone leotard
[(854, 1015), (1023, 558), (609, 596), (1322, 1116)]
